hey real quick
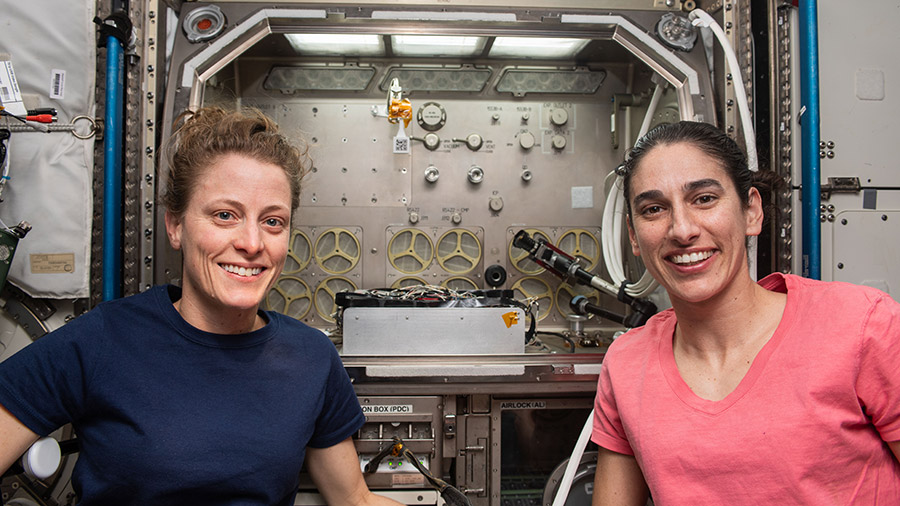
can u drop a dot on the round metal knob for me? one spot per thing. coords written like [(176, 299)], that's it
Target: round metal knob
[(432, 141), (559, 117), (474, 142), (526, 140), (558, 141)]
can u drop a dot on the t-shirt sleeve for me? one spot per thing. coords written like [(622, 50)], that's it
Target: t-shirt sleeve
[(44, 384), (608, 431), (341, 415), (878, 382)]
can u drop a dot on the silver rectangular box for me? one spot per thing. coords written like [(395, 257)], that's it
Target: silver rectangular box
[(433, 331)]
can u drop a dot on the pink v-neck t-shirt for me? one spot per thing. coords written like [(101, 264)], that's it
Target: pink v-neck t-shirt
[(806, 425)]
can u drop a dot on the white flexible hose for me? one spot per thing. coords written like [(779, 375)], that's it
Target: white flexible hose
[(565, 484), (614, 222), (651, 110), (701, 18)]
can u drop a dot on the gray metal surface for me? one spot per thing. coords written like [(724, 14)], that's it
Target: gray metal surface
[(433, 331)]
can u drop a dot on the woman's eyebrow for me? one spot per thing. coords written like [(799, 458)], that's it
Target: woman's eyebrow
[(647, 195), (701, 184), (690, 186)]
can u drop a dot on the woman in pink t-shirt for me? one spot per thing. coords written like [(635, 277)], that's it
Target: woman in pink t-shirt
[(778, 392)]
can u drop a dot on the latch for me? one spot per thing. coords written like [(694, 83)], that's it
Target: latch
[(566, 369), (840, 185)]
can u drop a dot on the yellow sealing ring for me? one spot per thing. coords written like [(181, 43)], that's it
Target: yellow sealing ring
[(325, 293), (581, 244), (337, 250), (537, 288), (408, 281), (459, 283), (519, 258), (299, 252), (290, 296), (410, 251), (458, 251)]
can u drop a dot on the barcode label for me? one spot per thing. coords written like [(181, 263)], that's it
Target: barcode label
[(5, 94), (57, 84), (401, 144)]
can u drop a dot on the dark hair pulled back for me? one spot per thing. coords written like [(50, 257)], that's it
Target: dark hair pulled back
[(716, 144)]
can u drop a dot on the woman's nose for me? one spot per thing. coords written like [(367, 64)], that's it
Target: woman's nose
[(249, 238), (683, 228)]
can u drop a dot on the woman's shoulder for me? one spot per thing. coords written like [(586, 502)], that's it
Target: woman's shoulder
[(141, 301), (831, 291), (141, 308)]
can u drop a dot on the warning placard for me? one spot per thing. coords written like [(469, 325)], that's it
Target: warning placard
[(52, 263)]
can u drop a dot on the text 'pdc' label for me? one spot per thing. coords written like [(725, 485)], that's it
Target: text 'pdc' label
[(376, 409)]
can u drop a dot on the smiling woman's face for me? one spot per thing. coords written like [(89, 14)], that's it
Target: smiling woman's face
[(687, 222), (233, 234)]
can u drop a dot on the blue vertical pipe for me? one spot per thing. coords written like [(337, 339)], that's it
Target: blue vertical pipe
[(112, 171), (809, 132)]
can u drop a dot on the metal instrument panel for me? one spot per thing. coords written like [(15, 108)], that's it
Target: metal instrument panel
[(495, 145)]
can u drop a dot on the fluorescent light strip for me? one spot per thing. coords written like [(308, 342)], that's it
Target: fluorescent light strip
[(536, 47), (436, 45), (329, 44)]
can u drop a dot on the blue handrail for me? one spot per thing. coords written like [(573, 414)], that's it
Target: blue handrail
[(809, 132), (112, 171)]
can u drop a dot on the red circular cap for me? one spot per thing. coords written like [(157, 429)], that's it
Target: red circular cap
[(204, 24)]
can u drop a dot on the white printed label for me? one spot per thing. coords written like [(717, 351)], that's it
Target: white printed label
[(9, 90), (57, 84), (376, 409)]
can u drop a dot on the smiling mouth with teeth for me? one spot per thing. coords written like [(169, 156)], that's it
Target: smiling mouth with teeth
[(690, 258), (242, 271)]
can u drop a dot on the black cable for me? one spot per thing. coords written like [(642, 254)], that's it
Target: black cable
[(449, 493), (582, 305), (4, 136), (4, 112), (393, 449)]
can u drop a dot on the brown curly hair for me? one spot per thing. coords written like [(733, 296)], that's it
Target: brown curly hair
[(201, 137)]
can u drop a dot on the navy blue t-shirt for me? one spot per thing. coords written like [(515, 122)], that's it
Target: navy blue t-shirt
[(169, 414)]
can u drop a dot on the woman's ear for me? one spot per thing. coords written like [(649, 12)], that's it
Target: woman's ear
[(173, 230), (754, 213), (632, 238)]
